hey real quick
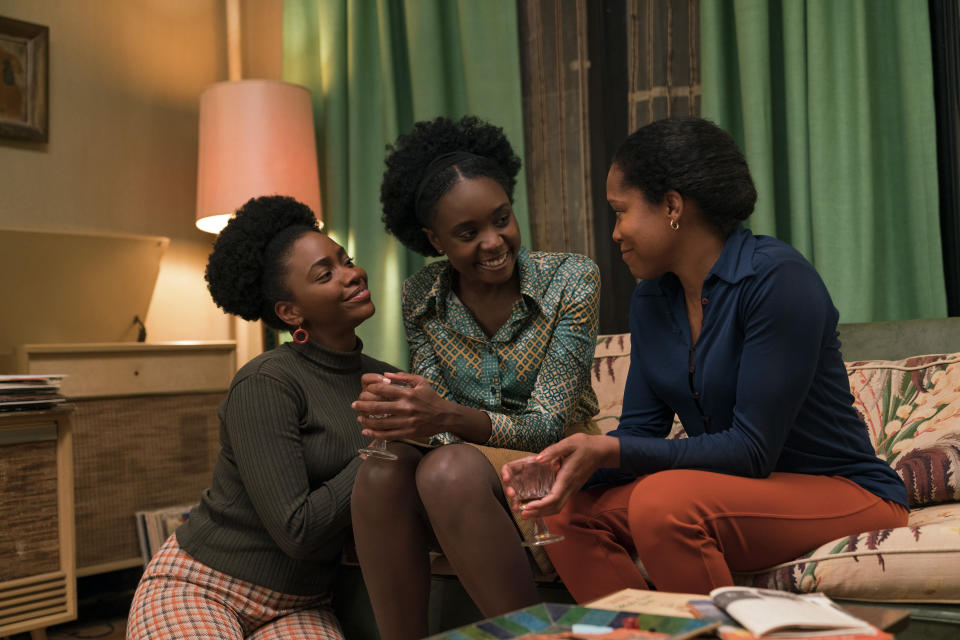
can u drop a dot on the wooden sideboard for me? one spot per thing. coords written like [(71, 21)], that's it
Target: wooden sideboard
[(146, 433), (37, 568)]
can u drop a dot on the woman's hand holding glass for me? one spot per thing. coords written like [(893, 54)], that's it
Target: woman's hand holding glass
[(378, 446), (398, 406), (575, 458), (530, 480)]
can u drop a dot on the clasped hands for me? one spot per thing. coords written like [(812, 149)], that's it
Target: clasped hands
[(396, 406)]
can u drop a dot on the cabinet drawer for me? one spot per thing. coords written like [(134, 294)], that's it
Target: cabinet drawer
[(125, 368)]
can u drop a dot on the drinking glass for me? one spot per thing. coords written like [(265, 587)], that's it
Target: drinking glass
[(531, 480), (378, 447)]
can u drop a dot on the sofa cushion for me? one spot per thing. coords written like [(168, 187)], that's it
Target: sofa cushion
[(912, 411), (916, 563), (611, 362)]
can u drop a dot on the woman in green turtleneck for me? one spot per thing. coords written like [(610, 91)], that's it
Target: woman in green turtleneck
[(259, 553)]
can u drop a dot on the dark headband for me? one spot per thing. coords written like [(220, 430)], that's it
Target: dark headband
[(440, 163)]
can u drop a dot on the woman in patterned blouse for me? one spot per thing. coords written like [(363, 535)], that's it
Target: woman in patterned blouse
[(501, 341)]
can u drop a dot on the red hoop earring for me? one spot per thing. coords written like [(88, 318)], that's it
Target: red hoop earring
[(300, 336)]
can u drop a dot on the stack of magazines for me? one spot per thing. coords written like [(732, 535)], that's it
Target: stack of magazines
[(155, 526), (30, 392)]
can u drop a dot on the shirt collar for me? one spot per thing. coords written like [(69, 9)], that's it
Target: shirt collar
[(736, 260), (734, 264), (529, 277)]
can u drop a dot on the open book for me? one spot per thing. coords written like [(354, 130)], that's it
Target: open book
[(779, 614)]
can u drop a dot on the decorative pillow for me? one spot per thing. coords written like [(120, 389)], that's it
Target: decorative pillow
[(908, 564), (611, 362), (912, 411)]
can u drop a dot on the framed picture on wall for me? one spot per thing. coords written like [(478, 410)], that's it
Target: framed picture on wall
[(24, 58)]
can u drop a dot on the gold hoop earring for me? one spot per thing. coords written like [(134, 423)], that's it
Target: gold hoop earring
[(674, 224)]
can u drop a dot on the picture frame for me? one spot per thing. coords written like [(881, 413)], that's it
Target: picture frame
[(24, 62)]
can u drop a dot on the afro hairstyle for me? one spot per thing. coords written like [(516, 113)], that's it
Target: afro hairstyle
[(412, 153), (247, 266)]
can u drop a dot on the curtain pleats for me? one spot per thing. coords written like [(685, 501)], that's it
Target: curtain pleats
[(833, 105), (945, 36)]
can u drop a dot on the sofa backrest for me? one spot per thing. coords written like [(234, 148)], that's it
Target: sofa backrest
[(899, 339), (912, 411), (911, 408)]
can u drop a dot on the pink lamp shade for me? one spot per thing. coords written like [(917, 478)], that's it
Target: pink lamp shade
[(256, 139)]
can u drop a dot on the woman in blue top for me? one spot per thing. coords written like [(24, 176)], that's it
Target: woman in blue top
[(737, 335)]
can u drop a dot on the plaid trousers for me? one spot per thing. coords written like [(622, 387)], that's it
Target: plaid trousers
[(181, 598)]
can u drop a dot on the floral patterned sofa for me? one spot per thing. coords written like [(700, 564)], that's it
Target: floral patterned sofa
[(912, 411)]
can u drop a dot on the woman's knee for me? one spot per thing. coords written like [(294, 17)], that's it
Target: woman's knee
[(663, 503), (386, 481), (456, 474)]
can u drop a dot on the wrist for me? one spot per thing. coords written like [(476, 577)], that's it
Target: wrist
[(448, 418), (609, 452), (467, 423)]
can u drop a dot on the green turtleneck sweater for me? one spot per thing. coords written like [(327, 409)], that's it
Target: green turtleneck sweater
[(278, 512)]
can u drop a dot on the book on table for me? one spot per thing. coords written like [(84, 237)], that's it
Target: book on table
[(766, 613), (663, 603)]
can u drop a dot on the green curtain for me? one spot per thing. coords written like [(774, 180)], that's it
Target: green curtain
[(832, 102), (374, 68)]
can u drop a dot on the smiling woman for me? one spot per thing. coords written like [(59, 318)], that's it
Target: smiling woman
[(501, 340), (735, 334), (260, 552)]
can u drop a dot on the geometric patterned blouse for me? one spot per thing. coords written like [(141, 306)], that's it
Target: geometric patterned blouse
[(533, 376)]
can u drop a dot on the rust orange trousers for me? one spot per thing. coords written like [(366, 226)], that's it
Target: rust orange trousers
[(690, 529)]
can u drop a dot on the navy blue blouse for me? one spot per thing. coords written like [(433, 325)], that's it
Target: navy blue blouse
[(764, 388)]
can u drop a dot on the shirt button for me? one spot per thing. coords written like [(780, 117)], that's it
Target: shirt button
[(704, 301)]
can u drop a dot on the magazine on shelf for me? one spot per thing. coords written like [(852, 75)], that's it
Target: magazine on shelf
[(30, 392), (766, 613), (156, 525), (31, 377)]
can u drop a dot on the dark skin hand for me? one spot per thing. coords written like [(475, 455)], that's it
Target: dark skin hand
[(577, 457), (413, 410)]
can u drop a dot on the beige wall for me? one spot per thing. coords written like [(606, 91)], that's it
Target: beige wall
[(125, 80)]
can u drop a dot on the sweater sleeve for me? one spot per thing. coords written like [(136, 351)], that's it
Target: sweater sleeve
[(262, 416), (785, 315)]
